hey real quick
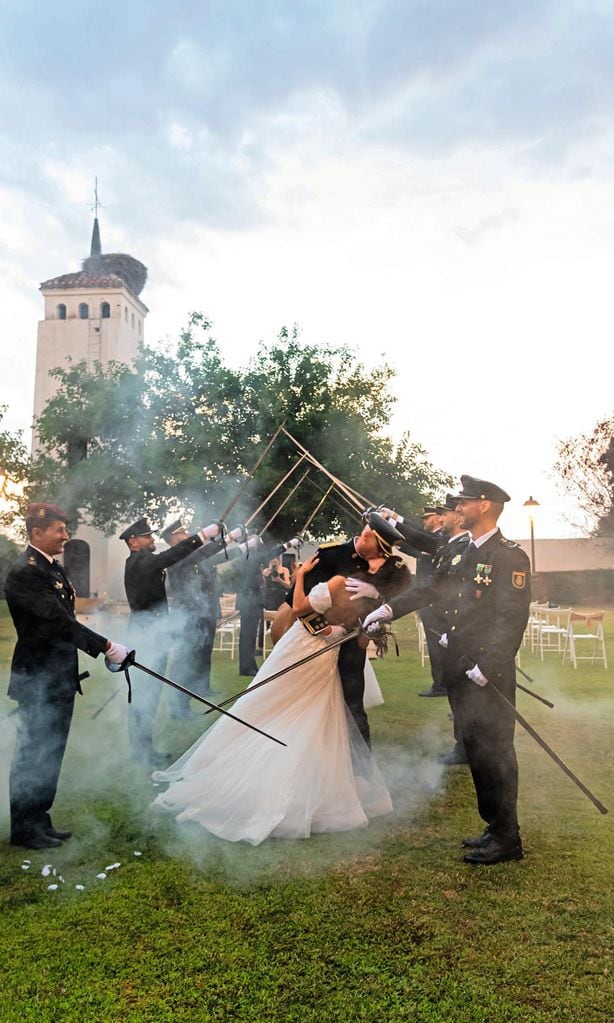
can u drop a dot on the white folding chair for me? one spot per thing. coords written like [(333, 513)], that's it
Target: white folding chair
[(582, 626), (551, 633), (227, 632), (269, 618)]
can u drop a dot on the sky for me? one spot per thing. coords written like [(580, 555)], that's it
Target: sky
[(428, 181)]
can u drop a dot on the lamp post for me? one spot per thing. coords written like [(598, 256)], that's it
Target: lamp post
[(532, 503)]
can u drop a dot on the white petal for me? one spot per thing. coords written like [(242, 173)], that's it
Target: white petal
[(80, 887), (101, 877), (52, 887), (25, 866), (46, 870), (137, 853)]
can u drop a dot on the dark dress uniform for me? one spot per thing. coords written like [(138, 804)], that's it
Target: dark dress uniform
[(195, 609), (424, 546), (44, 680), (487, 612), (144, 580), (343, 559)]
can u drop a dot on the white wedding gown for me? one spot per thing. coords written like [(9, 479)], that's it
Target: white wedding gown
[(240, 786)]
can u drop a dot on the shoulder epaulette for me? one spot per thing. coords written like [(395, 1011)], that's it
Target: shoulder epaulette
[(508, 543), (331, 543)]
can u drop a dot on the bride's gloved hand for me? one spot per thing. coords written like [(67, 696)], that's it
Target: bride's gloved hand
[(336, 632), (360, 588)]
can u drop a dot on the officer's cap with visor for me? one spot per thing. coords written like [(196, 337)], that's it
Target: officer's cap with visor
[(141, 527), (481, 490), (448, 505), (429, 510), (173, 527), (43, 514), (384, 532)]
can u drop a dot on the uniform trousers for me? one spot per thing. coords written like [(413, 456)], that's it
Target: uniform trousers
[(487, 728), (251, 616), (147, 633), (434, 626), (352, 671), (43, 724), (191, 661)]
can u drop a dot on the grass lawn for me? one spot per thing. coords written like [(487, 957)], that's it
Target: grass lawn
[(384, 923)]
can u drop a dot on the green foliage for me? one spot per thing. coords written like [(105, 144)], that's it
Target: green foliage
[(180, 429), (585, 466), (14, 470), (9, 552)]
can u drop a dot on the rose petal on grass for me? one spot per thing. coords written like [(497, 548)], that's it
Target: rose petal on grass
[(101, 876), (46, 870), (80, 887), (137, 852), (52, 887)]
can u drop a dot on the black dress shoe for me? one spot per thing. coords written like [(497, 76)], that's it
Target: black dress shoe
[(435, 691), (478, 841), (58, 833), (495, 851), (36, 840)]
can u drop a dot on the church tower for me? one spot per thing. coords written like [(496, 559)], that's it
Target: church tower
[(94, 316)]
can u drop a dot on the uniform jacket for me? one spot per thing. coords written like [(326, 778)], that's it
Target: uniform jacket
[(145, 573), (42, 605), (194, 585), (421, 545), (487, 606)]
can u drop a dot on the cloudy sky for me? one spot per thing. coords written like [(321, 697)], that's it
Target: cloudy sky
[(427, 180)]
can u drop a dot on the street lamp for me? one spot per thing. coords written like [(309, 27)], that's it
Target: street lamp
[(532, 503)]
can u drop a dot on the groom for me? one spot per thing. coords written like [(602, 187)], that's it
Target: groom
[(346, 558)]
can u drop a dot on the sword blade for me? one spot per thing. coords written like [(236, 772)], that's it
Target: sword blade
[(284, 671), (548, 749), (201, 699)]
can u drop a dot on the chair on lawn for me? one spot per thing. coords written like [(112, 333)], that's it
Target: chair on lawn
[(583, 626), (227, 632)]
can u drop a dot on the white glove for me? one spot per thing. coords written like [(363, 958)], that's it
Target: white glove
[(336, 632), (380, 616), (443, 640), (236, 534), (476, 676), (387, 513), (116, 653), (254, 542), (209, 532), (359, 589), (295, 542)]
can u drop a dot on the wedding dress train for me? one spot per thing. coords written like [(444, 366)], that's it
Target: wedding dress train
[(240, 786)]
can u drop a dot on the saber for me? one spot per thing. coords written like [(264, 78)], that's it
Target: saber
[(105, 704), (283, 503), (358, 499), (130, 662), (251, 475), (547, 749), (284, 671), (348, 510), (275, 489), (315, 510), (536, 696)]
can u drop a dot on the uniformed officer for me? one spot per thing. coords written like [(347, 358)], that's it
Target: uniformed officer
[(44, 674), (144, 579), (488, 613), (422, 543), (195, 608), (377, 539)]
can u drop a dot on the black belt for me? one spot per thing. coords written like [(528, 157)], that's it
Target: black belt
[(314, 623)]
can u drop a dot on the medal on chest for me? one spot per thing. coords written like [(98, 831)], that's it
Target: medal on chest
[(483, 574)]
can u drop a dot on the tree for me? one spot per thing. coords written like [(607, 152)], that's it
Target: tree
[(585, 465), (15, 468), (180, 429)]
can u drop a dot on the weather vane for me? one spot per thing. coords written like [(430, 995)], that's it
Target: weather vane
[(96, 205)]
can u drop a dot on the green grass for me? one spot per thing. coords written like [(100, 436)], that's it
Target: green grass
[(382, 924)]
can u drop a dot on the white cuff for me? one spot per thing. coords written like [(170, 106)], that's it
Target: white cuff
[(209, 532)]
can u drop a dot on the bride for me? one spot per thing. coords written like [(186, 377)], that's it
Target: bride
[(240, 786)]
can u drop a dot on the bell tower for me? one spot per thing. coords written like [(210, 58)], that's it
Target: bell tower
[(94, 315)]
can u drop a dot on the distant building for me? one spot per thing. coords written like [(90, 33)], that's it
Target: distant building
[(95, 316)]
